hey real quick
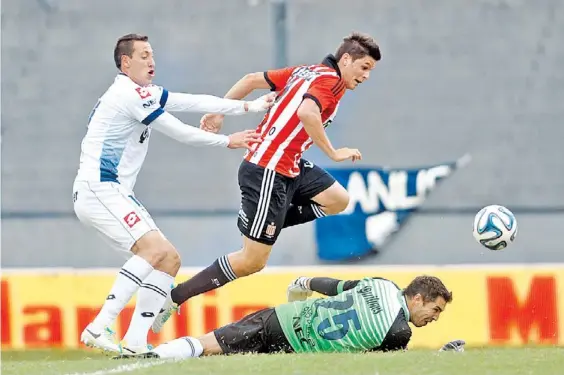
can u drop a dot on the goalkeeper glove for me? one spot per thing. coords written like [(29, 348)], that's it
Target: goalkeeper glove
[(455, 345), (298, 290)]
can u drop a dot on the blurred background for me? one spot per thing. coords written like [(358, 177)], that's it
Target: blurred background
[(483, 78)]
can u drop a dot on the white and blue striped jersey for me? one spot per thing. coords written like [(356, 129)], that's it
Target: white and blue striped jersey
[(119, 127), (117, 139)]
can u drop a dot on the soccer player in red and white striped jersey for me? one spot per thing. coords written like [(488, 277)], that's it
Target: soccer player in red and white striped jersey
[(278, 188), (284, 135)]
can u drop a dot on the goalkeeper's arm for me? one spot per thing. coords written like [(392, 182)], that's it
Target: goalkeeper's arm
[(302, 287), (329, 286)]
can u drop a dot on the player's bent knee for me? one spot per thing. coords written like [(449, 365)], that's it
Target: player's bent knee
[(340, 205), (255, 265), (334, 200), (152, 255), (245, 264), (155, 249), (173, 262)]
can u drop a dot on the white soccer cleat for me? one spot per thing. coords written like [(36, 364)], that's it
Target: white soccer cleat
[(164, 315), (101, 339), (297, 290), (132, 350)]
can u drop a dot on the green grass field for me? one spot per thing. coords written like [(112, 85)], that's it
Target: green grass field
[(542, 361)]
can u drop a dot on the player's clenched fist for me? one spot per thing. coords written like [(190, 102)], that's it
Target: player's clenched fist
[(346, 153), (244, 139)]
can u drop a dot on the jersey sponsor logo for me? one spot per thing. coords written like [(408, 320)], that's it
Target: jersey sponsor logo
[(298, 330), (143, 92), (305, 73), (372, 301), (150, 103), (131, 219)]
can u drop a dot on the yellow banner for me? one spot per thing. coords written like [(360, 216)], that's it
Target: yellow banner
[(493, 305)]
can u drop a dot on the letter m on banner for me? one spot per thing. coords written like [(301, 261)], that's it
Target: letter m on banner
[(535, 310)]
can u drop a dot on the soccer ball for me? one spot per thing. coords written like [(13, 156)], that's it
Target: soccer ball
[(495, 227)]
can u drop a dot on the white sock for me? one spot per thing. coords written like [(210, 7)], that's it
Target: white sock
[(184, 347), (127, 282), (151, 297)]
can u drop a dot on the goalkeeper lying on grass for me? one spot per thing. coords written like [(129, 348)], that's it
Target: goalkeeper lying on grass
[(361, 315)]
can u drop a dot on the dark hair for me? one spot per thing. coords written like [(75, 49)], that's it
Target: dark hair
[(124, 46), (430, 287), (359, 45)]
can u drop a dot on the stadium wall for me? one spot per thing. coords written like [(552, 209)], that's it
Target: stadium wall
[(483, 78)]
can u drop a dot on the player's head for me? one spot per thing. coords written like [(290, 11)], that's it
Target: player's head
[(357, 56), (426, 298), (133, 56)]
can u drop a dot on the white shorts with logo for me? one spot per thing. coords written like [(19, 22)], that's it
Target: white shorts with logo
[(113, 211)]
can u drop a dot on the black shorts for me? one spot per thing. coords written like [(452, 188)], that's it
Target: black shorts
[(266, 196), (259, 332)]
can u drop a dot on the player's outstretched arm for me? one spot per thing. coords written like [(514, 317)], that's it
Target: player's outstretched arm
[(275, 80), (249, 83), (176, 129), (180, 102), (327, 286)]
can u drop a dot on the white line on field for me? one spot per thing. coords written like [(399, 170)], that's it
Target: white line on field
[(122, 368)]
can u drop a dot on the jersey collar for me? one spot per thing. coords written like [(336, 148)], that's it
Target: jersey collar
[(121, 75), (331, 62)]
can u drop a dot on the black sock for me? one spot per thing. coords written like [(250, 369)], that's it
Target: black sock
[(303, 214), (213, 277)]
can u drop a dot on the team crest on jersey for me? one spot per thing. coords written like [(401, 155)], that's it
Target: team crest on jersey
[(270, 230)]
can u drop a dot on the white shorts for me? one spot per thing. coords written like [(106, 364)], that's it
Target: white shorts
[(113, 211)]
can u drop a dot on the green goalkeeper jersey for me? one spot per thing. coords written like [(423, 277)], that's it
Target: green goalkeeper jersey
[(359, 319)]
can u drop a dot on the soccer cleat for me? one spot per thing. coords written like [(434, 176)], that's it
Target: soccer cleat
[(101, 339), (125, 349), (166, 312)]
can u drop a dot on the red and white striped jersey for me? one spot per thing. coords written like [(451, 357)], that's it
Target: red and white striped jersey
[(284, 138)]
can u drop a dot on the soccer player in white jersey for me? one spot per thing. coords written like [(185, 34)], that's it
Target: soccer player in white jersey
[(112, 153)]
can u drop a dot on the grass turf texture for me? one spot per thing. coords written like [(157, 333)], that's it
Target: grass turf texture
[(498, 361)]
